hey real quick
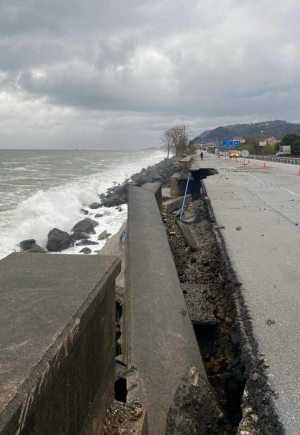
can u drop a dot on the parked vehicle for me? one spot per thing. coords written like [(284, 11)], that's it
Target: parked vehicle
[(234, 153), (284, 151)]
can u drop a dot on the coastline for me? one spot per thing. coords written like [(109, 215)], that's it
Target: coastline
[(88, 236)]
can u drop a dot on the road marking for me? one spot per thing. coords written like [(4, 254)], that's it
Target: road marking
[(289, 191), (275, 185)]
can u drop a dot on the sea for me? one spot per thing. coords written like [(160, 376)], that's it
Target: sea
[(41, 190)]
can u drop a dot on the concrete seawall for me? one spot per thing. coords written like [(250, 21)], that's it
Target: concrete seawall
[(57, 320), (160, 342)]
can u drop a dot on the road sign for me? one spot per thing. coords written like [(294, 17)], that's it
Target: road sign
[(230, 143), (245, 153)]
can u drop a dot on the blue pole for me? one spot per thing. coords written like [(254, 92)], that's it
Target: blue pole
[(183, 202)]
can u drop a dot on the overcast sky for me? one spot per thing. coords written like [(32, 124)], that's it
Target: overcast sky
[(113, 74)]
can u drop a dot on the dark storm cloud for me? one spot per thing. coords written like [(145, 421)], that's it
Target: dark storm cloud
[(74, 71)]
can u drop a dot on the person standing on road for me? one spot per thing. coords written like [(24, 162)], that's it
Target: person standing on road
[(201, 155)]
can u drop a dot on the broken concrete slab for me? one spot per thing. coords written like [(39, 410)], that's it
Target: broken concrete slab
[(193, 218), (200, 310), (173, 204), (166, 194), (195, 409), (187, 235)]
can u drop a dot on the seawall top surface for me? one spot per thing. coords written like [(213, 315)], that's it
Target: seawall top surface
[(162, 340), (258, 210), (42, 296)]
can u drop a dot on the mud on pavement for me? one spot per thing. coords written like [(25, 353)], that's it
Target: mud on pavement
[(221, 323)]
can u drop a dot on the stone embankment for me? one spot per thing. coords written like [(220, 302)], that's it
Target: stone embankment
[(59, 240), (161, 172)]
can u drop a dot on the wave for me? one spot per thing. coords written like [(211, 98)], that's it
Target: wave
[(59, 207)]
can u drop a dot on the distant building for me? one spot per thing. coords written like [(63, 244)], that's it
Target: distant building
[(271, 140), (211, 143), (241, 139)]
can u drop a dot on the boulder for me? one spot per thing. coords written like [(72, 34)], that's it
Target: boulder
[(110, 200), (102, 235), (195, 408), (59, 240), (98, 215), (83, 211), (85, 251), (36, 249), (95, 205), (27, 244), (86, 225), (79, 235), (161, 172), (86, 242)]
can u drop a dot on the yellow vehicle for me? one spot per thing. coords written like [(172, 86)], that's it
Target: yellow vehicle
[(234, 153)]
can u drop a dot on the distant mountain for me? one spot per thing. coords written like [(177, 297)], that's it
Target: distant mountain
[(204, 133), (149, 148), (277, 129)]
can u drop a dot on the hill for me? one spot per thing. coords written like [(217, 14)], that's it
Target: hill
[(265, 129)]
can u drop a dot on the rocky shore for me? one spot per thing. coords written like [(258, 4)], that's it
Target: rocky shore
[(83, 231), (161, 172)]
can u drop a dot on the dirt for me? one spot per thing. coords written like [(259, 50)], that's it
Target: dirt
[(222, 325), (205, 271), (208, 294), (121, 417)]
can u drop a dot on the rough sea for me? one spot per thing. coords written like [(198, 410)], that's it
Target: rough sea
[(41, 190)]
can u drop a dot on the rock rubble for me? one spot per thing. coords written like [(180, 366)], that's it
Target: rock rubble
[(161, 172)]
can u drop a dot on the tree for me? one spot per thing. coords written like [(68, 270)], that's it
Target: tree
[(176, 138), (252, 145), (167, 141), (268, 150), (289, 139), (296, 145), (193, 147), (276, 147), (293, 140)]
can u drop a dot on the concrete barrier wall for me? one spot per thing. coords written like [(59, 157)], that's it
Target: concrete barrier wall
[(156, 189), (159, 343), (57, 338)]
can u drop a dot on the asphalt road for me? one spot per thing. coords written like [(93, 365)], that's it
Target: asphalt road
[(265, 253)]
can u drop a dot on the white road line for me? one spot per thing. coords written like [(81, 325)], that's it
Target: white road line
[(275, 185), (289, 191)]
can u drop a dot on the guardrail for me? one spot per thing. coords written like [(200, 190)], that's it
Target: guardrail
[(287, 160)]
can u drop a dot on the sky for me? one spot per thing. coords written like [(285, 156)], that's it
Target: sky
[(115, 74)]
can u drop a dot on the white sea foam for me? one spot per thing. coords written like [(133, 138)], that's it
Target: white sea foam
[(59, 207)]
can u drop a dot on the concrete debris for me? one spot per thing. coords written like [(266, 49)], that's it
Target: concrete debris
[(195, 409)]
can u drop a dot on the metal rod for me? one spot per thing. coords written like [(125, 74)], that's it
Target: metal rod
[(183, 202)]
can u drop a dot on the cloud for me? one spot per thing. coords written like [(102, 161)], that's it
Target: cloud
[(103, 73)]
